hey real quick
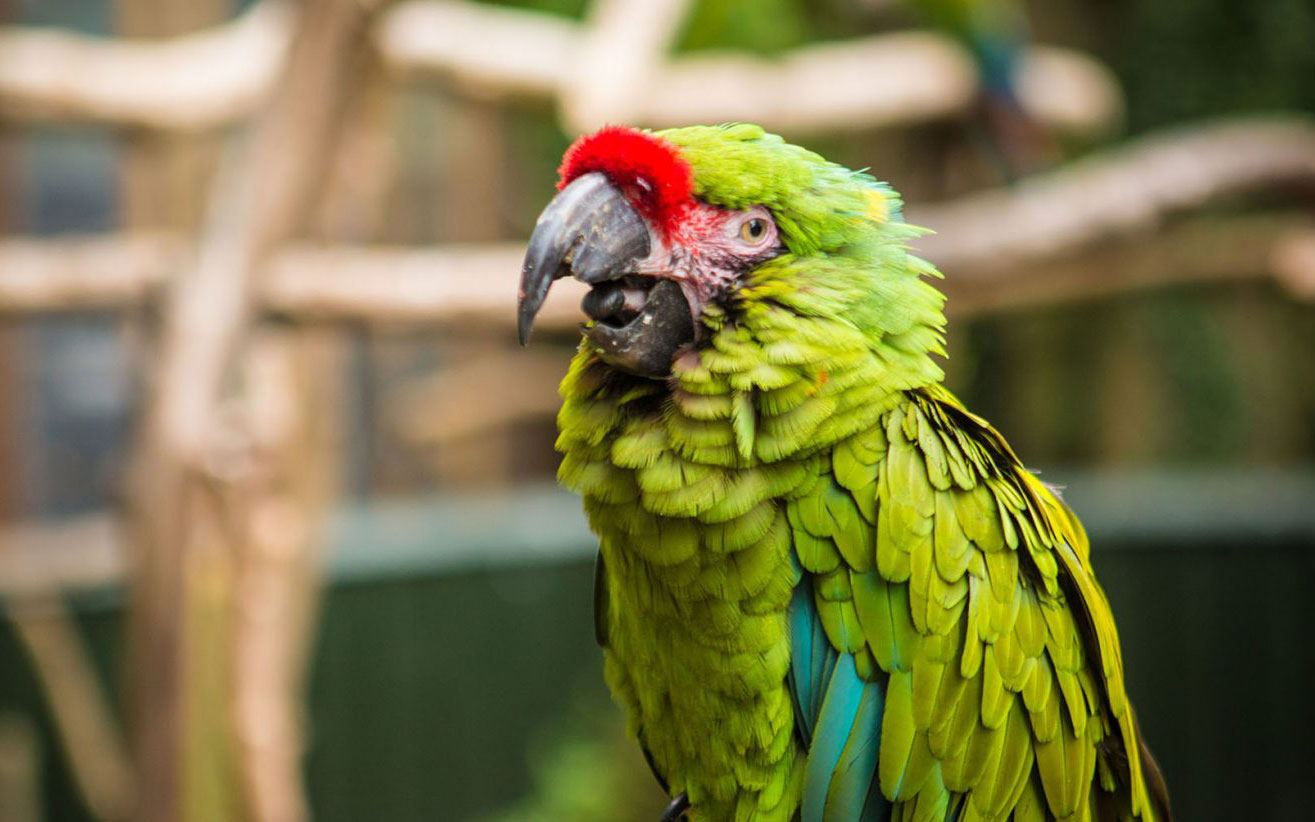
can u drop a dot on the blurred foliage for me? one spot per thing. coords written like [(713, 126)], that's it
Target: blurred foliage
[(584, 769), (568, 8), (762, 26), (1183, 59), (1183, 376)]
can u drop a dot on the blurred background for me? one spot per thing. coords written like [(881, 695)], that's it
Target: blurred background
[(278, 531)]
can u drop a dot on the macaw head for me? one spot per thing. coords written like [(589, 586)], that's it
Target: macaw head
[(679, 232)]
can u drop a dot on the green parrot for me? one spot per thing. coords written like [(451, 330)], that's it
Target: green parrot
[(825, 590)]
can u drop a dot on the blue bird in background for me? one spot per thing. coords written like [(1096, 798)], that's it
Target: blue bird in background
[(996, 33)]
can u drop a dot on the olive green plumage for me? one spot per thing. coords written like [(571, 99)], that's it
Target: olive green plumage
[(805, 448)]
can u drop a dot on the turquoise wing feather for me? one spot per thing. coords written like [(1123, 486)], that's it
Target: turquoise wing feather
[(839, 717)]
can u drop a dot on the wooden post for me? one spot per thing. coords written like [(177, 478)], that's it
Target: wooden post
[(277, 495), (260, 197)]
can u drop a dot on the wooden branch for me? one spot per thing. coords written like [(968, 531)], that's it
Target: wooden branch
[(1133, 188), (21, 772), (36, 563), (1197, 250), (385, 537), (486, 51), (411, 286), (304, 282), (480, 394), (97, 756), (85, 552), (272, 504), (212, 78), (1070, 91), (261, 196), (191, 82), (881, 81), (85, 273)]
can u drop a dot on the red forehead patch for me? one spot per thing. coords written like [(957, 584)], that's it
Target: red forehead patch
[(648, 169)]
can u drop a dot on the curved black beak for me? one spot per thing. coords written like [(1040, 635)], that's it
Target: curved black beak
[(589, 230)]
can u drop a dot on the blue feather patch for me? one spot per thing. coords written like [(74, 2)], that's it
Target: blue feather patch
[(840, 716), (835, 721), (855, 773), (811, 657)]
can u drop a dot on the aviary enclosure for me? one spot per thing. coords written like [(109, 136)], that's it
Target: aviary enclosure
[(278, 534)]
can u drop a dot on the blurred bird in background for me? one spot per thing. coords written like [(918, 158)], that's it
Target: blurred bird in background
[(996, 33)]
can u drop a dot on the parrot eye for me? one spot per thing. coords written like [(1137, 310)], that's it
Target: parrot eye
[(747, 235), (753, 230)]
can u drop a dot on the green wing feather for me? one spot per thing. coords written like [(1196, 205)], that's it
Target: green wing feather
[(979, 606)]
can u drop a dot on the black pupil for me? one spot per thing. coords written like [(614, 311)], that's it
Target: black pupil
[(756, 228)]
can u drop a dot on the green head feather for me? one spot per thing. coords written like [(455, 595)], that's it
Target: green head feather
[(847, 259)]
